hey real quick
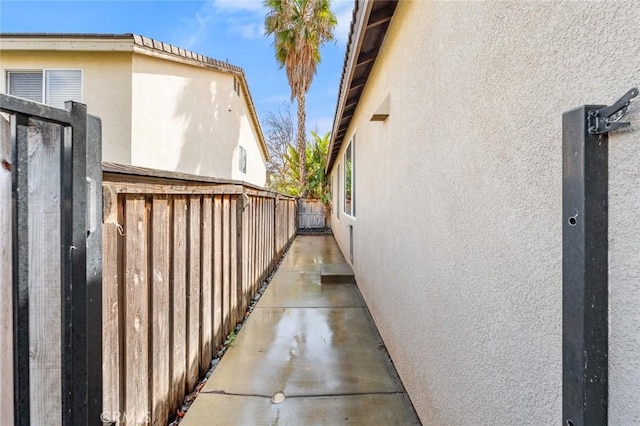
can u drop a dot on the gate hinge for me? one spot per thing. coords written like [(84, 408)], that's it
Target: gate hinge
[(607, 119)]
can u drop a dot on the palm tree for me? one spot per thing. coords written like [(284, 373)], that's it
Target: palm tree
[(300, 28)]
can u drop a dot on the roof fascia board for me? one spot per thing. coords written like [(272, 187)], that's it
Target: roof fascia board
[(360, 26), (67, 44)]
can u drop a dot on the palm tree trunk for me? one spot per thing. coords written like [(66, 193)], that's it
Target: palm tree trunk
[(302, 143)]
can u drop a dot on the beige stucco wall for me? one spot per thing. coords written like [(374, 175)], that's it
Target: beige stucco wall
[(106, 89), (189, 119), (458, 235)]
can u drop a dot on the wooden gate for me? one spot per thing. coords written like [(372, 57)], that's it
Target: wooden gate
[(311, 214)]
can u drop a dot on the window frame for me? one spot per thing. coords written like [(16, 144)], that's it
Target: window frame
[(350, 149), (338, 192), (242, 155), (236, 85), (43, 71)]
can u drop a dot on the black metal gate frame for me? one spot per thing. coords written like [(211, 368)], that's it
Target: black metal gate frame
[(81, 300), (585, 260)]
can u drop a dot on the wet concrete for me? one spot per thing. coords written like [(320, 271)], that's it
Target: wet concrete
[(314, 342)]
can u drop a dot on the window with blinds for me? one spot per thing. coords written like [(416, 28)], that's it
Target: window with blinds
[(52, 87)]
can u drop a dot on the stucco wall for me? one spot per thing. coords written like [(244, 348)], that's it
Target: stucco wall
[(189, 119), (106, 89), (458, 234)]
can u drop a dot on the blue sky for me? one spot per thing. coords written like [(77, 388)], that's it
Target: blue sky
[(223, 29)]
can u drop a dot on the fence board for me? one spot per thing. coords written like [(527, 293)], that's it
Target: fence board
[(233, 281), (193, 295), (160, 308), (207, 283), (112, 244), (44, 273), (245, 256), (217, 271), (226, 265), (136, 309), (179, 283), (6, 308)]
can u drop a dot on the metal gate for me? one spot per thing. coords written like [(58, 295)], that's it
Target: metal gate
[(50, 258)]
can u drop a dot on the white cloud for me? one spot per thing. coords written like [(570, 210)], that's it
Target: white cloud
[(192, 31), (250, 31), (239, 5), (321, 124), (344, 12), (279, 98)]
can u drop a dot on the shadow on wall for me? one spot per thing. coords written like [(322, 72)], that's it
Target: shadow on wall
[(212, 113)]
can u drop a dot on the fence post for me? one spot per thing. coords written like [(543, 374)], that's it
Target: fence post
[(20, 161)]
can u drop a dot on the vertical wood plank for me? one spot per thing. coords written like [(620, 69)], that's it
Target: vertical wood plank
[(259, 241), (193, 295), (178, 302), (272, 234), (226, 265), (233, 282), (206, 261), (217, 272), (161, 405), (44, 273), (263, 242), (136, 309), (254, 251), (6, 308), (246, 294), (112, 327)]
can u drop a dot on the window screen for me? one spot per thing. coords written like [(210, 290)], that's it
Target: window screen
[(62, 86), (27, 85)]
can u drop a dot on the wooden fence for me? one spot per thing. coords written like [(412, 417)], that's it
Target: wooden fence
[(181, 261)]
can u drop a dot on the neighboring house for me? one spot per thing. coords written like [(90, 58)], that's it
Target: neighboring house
[(161, 106), (446, 168)]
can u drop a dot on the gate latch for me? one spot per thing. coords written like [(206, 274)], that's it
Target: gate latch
[(607, 119)]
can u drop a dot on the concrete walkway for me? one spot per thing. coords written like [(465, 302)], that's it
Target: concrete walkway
[(313, 342)]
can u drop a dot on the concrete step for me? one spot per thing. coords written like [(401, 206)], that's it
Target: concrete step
[(334, 273)]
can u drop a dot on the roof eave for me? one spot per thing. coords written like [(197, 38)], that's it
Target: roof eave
[(374, 18)]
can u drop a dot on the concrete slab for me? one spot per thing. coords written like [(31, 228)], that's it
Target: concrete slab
[(314, 342), (360, 410), (303, 289), (306, 351)]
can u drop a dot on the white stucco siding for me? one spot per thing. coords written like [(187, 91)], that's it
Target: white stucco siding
[(106, 89), (458, 232), (189, 119), (256, 171)]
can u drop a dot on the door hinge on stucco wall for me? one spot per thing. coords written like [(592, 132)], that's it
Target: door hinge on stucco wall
[(607, 119)]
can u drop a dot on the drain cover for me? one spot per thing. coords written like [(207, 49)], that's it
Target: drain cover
[(277, 398)]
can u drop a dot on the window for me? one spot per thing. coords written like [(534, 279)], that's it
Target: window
[(51, 87), (338, 192), (236, 86), (243, 160), (349, 179)]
